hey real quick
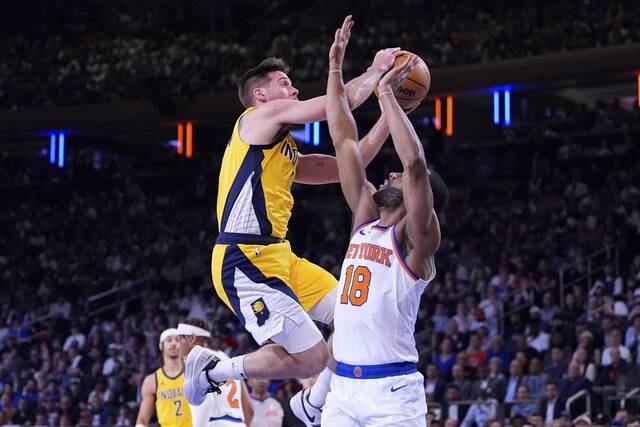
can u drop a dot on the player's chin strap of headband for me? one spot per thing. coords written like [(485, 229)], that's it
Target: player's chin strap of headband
[(185, 329)]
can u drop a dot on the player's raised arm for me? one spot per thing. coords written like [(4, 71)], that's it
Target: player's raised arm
[(292, 111), (418, 195), (342, 126)]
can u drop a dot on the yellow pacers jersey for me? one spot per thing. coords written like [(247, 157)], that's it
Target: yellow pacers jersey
[(254, 187), (172, 407)]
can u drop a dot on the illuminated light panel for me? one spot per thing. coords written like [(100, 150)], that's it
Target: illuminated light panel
[(189, 150), (316, 133), (180, 138), (449, 130), (507, 107), (61, 150), (496, 107), (438, 114), (52, 149)]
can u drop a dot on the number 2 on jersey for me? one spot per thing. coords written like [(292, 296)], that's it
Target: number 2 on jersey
[(231, 397), (356, 285)]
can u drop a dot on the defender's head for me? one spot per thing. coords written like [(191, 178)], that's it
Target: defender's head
[(266, 82), (193, 332), (389, 195), (169, 342)]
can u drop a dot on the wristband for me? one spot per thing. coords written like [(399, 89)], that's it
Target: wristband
[(335, 71), (385, 93)]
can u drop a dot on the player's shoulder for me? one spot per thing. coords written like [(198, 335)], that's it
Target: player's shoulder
[(150, 382)]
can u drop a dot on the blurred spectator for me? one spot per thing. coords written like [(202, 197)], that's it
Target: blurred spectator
[(513, 382), (557, 364), (480, 412), (587, 367), (459, 379), (433, 385), (446, 358), (523, 405), (614, 340), (536, 380)]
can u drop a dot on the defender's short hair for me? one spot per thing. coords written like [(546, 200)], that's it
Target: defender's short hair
[(257, 76)]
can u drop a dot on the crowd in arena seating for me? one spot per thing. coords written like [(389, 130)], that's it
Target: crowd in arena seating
[(99, 52), (493, 326)]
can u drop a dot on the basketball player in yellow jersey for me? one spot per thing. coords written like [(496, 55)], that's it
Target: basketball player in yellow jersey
[(255, 273), (164, 387)]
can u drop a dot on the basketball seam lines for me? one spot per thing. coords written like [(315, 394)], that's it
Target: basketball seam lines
[(419, 84)]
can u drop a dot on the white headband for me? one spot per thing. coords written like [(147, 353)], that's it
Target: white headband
[(167, 333), (184, 329)]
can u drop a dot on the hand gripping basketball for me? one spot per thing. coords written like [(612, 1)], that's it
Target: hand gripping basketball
[(385, 58), (392, 80)]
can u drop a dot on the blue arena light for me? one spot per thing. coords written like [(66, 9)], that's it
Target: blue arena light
[(52, 148), (316, 133), (507, 107), (61, 150), (307, 133), (496, 107)]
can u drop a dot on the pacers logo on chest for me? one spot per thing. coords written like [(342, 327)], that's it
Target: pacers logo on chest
[(290, 152)]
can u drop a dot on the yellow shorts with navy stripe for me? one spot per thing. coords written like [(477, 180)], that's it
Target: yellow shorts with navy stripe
[(262, 284)]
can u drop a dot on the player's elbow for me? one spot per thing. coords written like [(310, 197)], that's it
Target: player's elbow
[(415, 166)]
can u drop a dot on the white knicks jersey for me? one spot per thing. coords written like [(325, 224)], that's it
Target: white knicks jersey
[(223, 409), (378, 301)]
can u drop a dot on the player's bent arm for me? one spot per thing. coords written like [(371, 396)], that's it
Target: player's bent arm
[(247, 407), (418, 196), (148, 393), (318, 169), (290, 111), (373, 141), (360, 89)]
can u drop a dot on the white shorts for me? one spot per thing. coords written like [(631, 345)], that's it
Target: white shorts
[(295, 330), (389, 401)]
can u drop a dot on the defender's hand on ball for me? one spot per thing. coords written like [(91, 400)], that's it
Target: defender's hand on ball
[(392, 80), (385, 58), (339, 46)]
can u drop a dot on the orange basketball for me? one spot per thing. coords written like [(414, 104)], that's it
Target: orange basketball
[(415, 87)]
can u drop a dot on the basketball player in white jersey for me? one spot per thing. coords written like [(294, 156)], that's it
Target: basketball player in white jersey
[(388, 264), (230, 406)]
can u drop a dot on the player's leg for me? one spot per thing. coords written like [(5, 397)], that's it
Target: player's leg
[(397, 401), (341, 408), (252, 281), (317, 289)]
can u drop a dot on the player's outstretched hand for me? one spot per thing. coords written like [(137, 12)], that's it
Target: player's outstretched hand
[(385, 58), (391, 81), (339, 46)]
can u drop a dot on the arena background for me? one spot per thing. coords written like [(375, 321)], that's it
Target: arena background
[(113, 119)]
